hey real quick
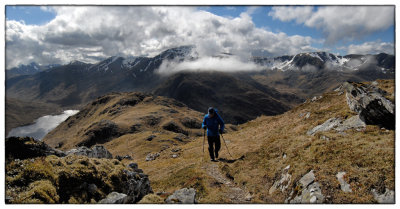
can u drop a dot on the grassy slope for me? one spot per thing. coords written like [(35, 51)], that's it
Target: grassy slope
[(367, 156)]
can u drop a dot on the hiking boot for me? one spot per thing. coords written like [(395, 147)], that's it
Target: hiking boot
[(213, 160)]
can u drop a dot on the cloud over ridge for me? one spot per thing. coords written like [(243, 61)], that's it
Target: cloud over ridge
[(91, 33)]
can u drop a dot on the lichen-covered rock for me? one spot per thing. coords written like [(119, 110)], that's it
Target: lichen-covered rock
[(370, 103), (97, 151), (114, 198), (283, 183), (184, 196), (151, 157), (326, 126), (387, 197), (339, 125), (353, 122), (309, 190), (344, 186), (28, 147)]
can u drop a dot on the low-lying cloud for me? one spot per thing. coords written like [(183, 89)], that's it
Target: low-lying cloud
[(221, 64)]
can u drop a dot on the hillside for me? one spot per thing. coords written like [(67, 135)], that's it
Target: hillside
[(308, 84), (132, 124), (285, 81), (238, 97), (276, 159)]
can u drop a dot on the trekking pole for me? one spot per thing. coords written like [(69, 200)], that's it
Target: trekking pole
[(226, 146), (204, 139)]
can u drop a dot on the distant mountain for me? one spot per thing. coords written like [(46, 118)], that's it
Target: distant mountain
[(29, 69), (77, 83), (322, 60), (285, 81)]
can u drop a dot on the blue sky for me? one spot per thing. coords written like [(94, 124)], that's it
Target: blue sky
[(297, 29), (31, 15)]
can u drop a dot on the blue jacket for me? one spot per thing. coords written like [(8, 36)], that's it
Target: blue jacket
[(212, 124)]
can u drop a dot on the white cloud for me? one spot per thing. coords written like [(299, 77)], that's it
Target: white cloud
[(225, 64), (370, 48), (299, 14), (90, 33), (339, 23)]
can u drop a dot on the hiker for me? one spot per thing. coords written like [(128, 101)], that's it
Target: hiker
[(215, 126)]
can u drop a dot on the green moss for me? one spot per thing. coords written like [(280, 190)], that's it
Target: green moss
[(63, 180), (42, 191)]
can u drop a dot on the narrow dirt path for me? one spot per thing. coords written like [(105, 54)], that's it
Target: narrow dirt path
[(235, 193)]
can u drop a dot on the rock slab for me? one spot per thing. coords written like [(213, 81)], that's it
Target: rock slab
[(310, 191), (183, 196), (114, 198), (344, 186), (97, 151)]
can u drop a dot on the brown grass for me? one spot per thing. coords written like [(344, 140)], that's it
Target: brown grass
[(367, 156)]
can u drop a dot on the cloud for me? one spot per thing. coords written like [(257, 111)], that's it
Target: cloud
[(90, 33), (339, 23), (285, 14), (222, 64), (370, 48)]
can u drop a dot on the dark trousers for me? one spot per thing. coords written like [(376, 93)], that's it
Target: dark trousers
[(213, 141)]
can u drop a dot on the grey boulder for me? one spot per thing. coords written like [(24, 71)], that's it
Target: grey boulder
[(370, 103), (310, 190), (183, 196), (97, 151), (114, 198)]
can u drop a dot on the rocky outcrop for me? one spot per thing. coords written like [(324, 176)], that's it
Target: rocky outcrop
[(184, 196), (370, 103), (114, 198), (326, 126), (172, 126), (337, 124), (387, 197), (118, 157), (100, 132), (353, 122), (74, 179), (191, 123), (151, 157), (151, 137), (137, 185), (344, 186), (27, 147), (307, 190), (97, 151), (283, 183)]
